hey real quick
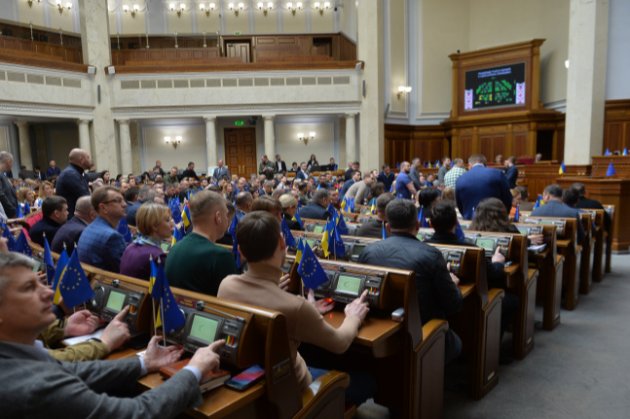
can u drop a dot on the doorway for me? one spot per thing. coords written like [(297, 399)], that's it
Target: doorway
[(240, 150)]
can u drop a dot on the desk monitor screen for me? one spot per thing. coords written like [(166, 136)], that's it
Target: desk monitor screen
[(312, 242), (348, 284), (204, 329), (487, 244), (115, 301), (318, 229), (523, 230), (357, 249)]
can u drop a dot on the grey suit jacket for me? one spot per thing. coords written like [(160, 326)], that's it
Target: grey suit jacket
[(35, 385)]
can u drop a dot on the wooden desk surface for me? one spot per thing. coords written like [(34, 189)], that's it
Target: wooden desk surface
[(217, 403), (374, 331), (563, 243), (466, 289)]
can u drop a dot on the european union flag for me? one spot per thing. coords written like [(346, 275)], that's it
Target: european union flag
[(123, 228), (172, 317), (11, 243), (61, 265), (538, 202), (48, 260), (422, 219), (19, 212), (22, 246), (297, 218), (176, 211), (517, 214), (73, 284), (563, 169), (178, 234), (27, 209), (611, 170), (286, 232), (333, 212), (232, 231), (341, 225), (339, 250), (310, 270)]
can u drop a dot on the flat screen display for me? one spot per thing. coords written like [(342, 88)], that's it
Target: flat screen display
[(487, 244), (318, 229), (523, 230), (115, 301), (203, 329), (348, 284), (357, 249), (495, 87)]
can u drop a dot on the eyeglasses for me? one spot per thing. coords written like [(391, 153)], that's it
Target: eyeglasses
[(116, 200)]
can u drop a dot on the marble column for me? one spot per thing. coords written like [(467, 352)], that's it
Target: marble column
[(125, 146), (84, 135), (270, 138), (371, 116), (26, 159), (586, 81), (351, 138), (94, 19), (211, 141)]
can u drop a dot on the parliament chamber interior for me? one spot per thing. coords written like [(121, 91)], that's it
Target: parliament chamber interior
[(314, 209)]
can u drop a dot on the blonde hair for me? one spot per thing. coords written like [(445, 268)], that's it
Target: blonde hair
[(42, 186), (149, 215), (21, 193), (287, 201)]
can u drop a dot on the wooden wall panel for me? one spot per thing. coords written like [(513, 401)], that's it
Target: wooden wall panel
[(617, 125), (405, 142)]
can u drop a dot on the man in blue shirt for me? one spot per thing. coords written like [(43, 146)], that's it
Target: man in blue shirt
[(404, 185), (101, 245)]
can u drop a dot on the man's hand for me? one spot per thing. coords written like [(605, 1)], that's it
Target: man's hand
[(498, 257), (157, 356), (207, 358), (358, 308), (4, 246), (80, 323), (117, 331), (284, 282), (454, 278), (536, 239), (323, 306)]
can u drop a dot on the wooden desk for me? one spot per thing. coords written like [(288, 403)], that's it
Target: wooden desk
[(375, 333)]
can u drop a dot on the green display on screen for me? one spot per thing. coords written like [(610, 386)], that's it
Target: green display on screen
[(357, 249), (523, 230), (312, 242), (318, 229), (204, 329), (348, 284), (487, 244), (115, 301)]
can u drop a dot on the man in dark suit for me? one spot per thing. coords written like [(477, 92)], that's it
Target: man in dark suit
[(554, 207), (478, 184), (55, 214), (374, 227), (316, 208), (69, 233), (280, 165), (190, 171), (586, 203), (72, 183), (221, 171), (80, 389), (8, 198), (53, 170), (511, 171), (386, 177)]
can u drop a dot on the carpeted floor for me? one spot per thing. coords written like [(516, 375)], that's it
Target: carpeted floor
[(579, 370)]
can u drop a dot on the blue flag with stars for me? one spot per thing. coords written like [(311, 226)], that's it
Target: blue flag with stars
[(172, 317), (422, 219), (341, 225), (232, 231), (22, 246), (286, 232), (48, 260), (73, 284), (11, 243), (123, 228), (176, 211), (310, 270)]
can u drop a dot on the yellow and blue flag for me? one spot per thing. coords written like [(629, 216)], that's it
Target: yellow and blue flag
[(299, 250), (310, 270), (563, 169), (373, 205), (538, 202), (186, 218), (178, 234), (61, 265), (173, 319), (73, 284)]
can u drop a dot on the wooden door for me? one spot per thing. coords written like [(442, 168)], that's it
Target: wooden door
[(239, 50), (240, 150)]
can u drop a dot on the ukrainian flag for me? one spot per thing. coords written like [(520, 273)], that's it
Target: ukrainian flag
[(299, 250), (186, 218), (563, 169)]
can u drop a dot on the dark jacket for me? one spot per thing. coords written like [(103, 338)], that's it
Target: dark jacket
[(560, 209), (478, 184), (585, 203), (438, 295), (8, 198), (293, 224), (69, 233), (371, 228), (387, 180), (45, 225), (72, 184), (314, 211), (511, 174)]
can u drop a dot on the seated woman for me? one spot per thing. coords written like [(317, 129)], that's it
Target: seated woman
[(289, 208), (154, 225), (260, 286), (46, 189), (26, 200)]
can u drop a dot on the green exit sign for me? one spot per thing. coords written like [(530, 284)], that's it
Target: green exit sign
[(239, 123)]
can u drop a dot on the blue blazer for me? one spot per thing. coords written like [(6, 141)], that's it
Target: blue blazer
[(478, 184), (72, 184), (511, 174)]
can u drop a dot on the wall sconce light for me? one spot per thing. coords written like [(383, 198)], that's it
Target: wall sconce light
[(173, 141), (265, 10), (207, 8), (61, 7), (294, 8), (30, 2), (306, 138), (236, 9), (403, 90), (321, 6), (131, 10), (179, 9)]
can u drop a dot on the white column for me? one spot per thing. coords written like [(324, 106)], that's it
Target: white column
[(25, 144), (84, 135), (586, 81), (371, 115), (351, 139), (211, 142), (270, 139), (125, 146)]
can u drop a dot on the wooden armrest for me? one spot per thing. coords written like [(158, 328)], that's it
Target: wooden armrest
[(466, 289), (431, 330), (531, 274), (559, 259), (495, 295), (321, 387)]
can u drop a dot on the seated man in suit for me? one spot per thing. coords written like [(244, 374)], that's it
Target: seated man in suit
[(316, 208), (69, 233), (101, 244), (38, 386), (554, 207), (585, 203), (438, 294), (478, 184), (374, 227), (511, 171), (196, 263), (55, 214)]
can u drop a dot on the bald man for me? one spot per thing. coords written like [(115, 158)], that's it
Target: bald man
[(72, 183), (70, 232)]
